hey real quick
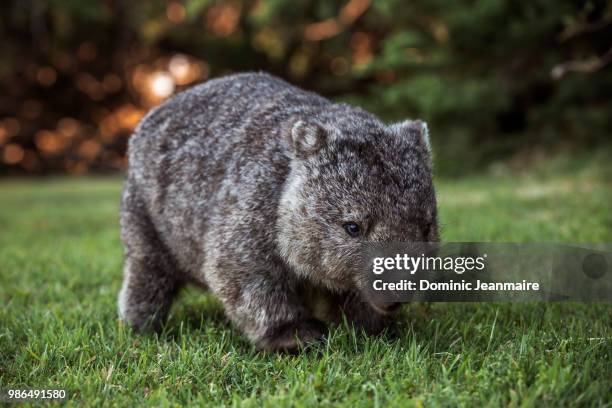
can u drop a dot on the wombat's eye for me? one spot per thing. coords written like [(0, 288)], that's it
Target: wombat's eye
[(352, 229)]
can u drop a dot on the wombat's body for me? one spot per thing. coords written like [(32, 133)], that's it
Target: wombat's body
[(245, 185)]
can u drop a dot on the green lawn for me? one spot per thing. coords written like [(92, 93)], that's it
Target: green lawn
[(60, 270)]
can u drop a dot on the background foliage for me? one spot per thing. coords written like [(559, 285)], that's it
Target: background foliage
[(495, 79)]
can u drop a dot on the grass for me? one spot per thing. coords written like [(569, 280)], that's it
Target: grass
[(60, 270)]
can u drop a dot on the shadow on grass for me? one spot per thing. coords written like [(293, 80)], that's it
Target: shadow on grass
[(195, 311), (430, 327)]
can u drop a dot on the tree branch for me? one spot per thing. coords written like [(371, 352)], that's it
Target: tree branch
[(333, 26), (584, 67)]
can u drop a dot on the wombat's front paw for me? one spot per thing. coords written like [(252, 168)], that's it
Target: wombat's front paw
[(371, 318), (291, 336)]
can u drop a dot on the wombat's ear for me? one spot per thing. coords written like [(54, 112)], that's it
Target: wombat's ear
[(307, 138), (415, 130)]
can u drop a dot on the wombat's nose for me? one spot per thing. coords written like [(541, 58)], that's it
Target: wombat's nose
[(386, 307)]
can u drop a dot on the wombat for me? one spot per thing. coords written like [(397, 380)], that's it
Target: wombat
[(262, 193)]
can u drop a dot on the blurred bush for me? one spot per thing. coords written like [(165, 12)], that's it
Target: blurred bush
[(493, 78)]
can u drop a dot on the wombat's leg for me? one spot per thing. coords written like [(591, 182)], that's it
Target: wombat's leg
[(292, 335), (363, 315), (151, 278), (269, 310)]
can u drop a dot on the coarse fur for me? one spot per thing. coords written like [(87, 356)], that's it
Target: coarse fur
[(244, 185)]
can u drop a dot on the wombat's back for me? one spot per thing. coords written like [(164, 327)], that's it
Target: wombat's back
[(215, 121)]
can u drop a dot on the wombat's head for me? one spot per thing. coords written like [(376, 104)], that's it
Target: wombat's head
[(354, 182)]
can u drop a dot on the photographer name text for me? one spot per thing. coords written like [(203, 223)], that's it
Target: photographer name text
[(463, 285)]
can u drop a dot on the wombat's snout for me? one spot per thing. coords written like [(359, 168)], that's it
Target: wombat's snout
[(386, 307)]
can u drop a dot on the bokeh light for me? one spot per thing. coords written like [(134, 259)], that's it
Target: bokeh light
[(175, 12), (162, 85), (12, 153), (46, 76)]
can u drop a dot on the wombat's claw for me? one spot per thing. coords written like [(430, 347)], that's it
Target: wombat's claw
[(293, 336)]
